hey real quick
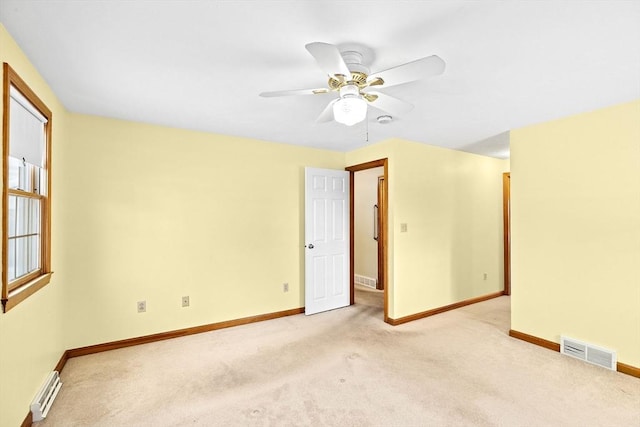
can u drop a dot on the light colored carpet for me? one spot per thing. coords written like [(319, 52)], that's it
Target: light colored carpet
[(346, 368)]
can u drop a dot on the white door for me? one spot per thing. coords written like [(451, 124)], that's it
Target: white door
[(326, 240)]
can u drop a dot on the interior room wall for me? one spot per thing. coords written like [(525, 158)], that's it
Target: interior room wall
[(162, 213), (365, 197), (31, 333), (575, 203), (451, 202)]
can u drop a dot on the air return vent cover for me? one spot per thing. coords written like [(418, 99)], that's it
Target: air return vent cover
[(588, 352)]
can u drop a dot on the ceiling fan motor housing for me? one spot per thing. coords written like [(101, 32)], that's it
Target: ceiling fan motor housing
[(357, 78)]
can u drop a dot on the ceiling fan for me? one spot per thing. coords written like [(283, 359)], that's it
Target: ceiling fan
[(352, 81)]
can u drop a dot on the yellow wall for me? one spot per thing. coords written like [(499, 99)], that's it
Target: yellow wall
[(31, 334), (161, 213), (575, 195), (451, 202)]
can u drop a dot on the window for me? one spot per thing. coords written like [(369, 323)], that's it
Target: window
[(26, 192)]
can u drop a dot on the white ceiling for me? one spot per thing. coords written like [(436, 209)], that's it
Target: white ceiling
[(201, 64)]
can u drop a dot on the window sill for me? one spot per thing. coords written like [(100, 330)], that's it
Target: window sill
[(16, 296)]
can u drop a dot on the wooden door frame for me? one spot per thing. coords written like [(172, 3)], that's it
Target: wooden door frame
[(383, 230), (380, 225), (506, 221)]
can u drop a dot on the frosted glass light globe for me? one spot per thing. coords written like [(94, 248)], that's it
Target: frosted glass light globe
[(350, 108)]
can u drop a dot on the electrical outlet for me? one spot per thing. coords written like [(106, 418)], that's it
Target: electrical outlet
[(484, 277), (142, 306), (403, 227), (285, 287), (185, 301)]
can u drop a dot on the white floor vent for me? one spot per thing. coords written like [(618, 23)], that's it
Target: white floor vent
[(588, 352), (44, 399), (366, 281)]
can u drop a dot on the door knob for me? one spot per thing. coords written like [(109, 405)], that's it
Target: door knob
[(311, 246)]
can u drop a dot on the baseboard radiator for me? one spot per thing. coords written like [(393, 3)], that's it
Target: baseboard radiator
[(588, 352), (366, 281), (45, 397)]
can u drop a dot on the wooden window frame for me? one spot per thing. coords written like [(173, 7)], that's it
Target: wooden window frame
[(20, 289)]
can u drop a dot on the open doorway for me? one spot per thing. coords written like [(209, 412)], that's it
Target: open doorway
[(368, 211)]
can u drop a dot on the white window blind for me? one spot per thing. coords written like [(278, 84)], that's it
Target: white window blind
[(26, 130)]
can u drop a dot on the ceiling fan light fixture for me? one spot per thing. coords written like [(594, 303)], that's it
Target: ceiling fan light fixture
[(350, 108)]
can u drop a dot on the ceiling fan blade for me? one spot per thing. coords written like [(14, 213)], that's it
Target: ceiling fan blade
[(327, 113), (329, 59), (390, 104), (419, 69), (294, 92)]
